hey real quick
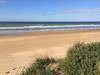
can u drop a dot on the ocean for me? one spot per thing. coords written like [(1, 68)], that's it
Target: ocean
[(21, 27)]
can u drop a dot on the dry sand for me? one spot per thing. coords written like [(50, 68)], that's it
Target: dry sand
[(18, 51)]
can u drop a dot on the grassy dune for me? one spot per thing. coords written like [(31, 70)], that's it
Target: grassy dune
[(81, 59)]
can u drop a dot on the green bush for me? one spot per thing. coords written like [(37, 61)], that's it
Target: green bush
[(41, 67), (82, 59)]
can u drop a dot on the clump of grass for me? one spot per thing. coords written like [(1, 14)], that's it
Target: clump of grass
[(82, 59), (42, 66)]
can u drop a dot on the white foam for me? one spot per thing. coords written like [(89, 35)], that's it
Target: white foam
[(56, 26)]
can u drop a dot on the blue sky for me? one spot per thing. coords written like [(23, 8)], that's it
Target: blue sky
[(49, 10)]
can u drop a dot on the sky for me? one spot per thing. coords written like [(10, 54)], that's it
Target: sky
[(49, 10)]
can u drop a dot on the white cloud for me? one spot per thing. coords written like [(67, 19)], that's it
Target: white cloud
[(95, 10), (75, 11), (2, 1)]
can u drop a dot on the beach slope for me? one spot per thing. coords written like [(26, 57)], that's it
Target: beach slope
[(18, 51)]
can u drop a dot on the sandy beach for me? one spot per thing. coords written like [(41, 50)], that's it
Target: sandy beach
[(19, 51)]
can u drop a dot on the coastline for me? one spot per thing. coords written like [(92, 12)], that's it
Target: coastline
[(49, 32), (18, 51), (10, 28)]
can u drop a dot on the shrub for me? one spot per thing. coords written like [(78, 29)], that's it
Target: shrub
[(42, 66), (82, 59)]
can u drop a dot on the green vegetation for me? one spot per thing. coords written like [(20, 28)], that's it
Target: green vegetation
[(43, 66), (81, 59)]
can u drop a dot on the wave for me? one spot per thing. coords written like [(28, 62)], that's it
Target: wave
[(47, 27), (24, 29)]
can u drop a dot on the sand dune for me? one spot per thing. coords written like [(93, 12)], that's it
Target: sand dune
[(18, 51)]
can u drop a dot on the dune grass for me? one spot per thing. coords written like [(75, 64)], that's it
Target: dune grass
[(43, 66), (81, 59)]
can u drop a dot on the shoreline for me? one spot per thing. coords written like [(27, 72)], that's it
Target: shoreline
[(18, 51), (30, 29), (50, 32)]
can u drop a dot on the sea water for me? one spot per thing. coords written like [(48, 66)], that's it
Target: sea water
[(20, 27)]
